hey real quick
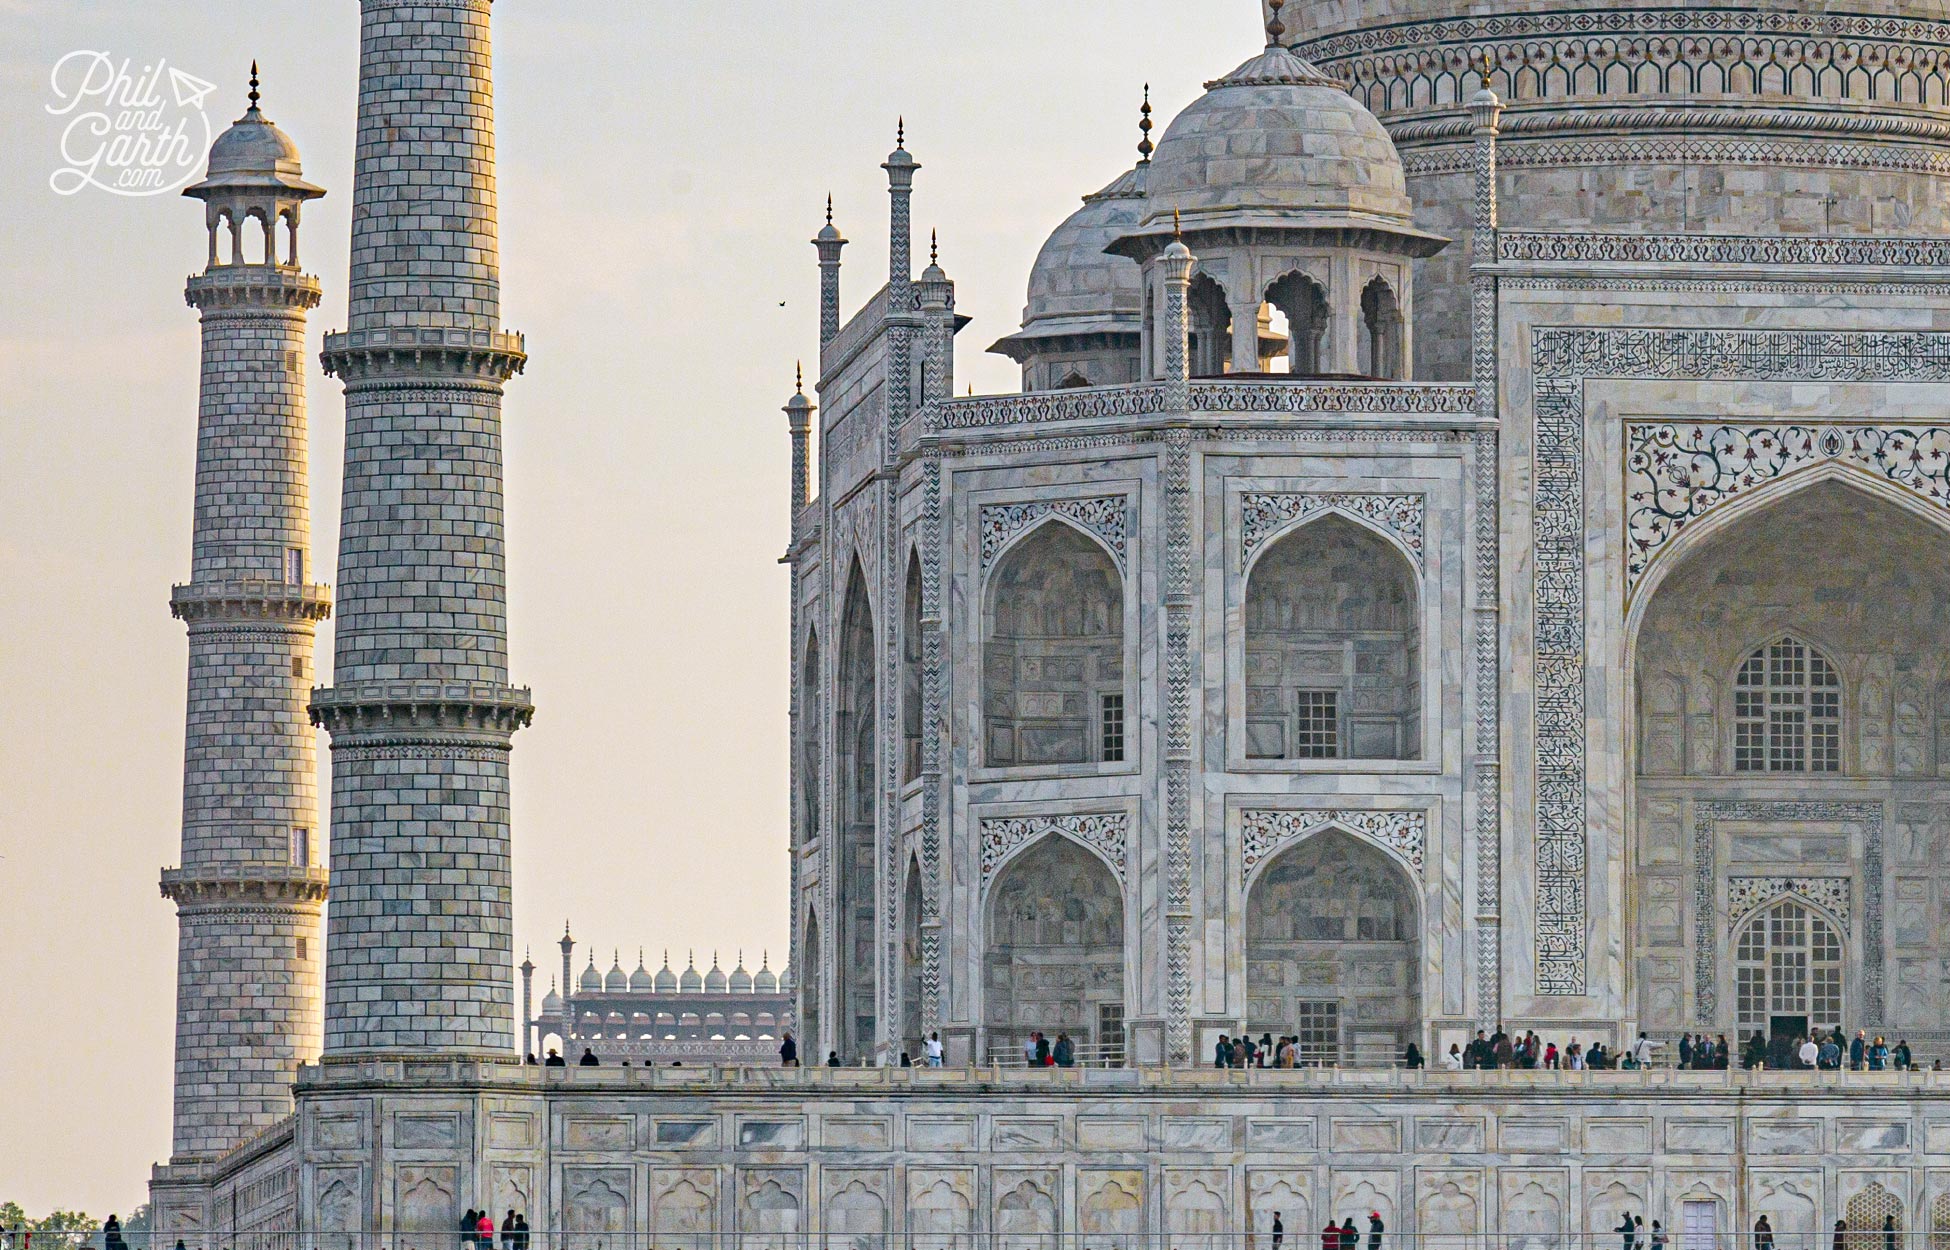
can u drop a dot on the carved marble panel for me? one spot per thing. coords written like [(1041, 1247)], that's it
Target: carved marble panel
[(1263, 516), (1264, 833), (1107, 833), (1106, 518)]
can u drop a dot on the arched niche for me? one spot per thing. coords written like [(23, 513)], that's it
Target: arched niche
[(1210, 319), (857, 729), (1053, 689), (1053, 956), (1380, 347), (812, 721), (911, 671), (1827, 592), (1303, 303), (911, 961), (1333, 661), (810, 1015), (1334, 950)]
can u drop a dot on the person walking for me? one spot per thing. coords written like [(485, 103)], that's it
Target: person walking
[(484, 1231), (1763, 1234), (1841, 1234), (1627, 1231), (1658, 1236), (467, 1226), (1856, 1050), (1809, 1055), (1829, 1056), (1453, 1061), (788, 1051), (1065, 1053), (1222, 1052), (932, 1048), (1888, 1231), (1330, 1237), (589, 1059), (1903, 1059), (511, 1231), (1878, 1055), (1042, 1059), (1375, 1229), (1279, 1231), (1029, 1048), (1350, 1239)]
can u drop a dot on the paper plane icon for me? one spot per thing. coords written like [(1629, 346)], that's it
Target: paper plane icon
[(190, 90)]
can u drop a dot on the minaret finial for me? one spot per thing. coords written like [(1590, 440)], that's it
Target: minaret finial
[(799, 377), (253, 85), (934, 247), (829, 208), (1274, 26), (900, 133), (1145, 146)]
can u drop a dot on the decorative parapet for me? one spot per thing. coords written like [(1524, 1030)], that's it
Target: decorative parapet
[(227, 885), (374, 713), (250, 599), (387, 351), (261, 286), (1721, 249), (1673, 51), (1378, 398), (1299, 396)]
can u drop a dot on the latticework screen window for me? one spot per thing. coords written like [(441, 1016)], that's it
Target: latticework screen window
[(1787, 711), (1317, 734), (1788, 963), (1319, 1030)]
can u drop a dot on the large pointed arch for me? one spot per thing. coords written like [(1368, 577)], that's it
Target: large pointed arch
[(911, 710), (1053, 671), (812, 737), (857, 794), (1332, 645), (1053, 947), (1334, 949)]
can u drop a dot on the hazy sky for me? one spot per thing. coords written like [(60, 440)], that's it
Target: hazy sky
[(662, 166)]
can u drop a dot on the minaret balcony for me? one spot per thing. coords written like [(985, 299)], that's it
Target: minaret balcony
[(257, 286), (450, 351), (230, 884), (250, 599), (378, 711)]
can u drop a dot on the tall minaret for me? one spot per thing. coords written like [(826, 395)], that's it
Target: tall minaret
[(249, 887), (421, 952)]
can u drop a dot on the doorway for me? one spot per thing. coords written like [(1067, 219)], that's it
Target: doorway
[(1699, 1224)]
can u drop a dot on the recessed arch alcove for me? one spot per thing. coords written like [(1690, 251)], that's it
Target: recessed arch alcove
[(1053, 954)]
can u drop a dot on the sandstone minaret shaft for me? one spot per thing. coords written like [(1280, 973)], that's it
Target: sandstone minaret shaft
[(248, 890), (421, 713)]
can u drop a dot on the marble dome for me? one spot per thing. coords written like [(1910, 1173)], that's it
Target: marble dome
[(1075, 284), (1277, 138)]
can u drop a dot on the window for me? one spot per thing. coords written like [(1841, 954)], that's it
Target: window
[(1318, 732), (1319, 1030), (1113, 728), (294, 566), (1788, 963), (297, 666), (1787, 711), (301, 847), (1110, 1030), (304, 949)]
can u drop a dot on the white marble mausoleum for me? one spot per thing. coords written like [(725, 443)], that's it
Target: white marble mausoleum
[(1472, 550)]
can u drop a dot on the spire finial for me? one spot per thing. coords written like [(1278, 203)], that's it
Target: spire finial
[(1177, 226), (900, 133), (1274, 26), (934, 247), (799, 377), (253, 84), (829, 208), (1145, 146)]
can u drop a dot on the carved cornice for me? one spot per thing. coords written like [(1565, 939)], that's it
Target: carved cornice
[(1799, 152), (1692, 119), (249, 599), (1720, 249), (228, 886), (375, 713), (252, 286), (1213, 396), (423, 352)]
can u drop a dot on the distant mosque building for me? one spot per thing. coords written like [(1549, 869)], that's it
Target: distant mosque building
[(1471, 552), (642, 1017)]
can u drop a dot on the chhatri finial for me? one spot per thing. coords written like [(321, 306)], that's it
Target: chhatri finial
[(934, 247), (253, 85), (1177, 226), (1145, 146), (1274, 26)]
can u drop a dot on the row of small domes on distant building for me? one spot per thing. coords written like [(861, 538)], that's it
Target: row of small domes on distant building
[(665, 981)]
